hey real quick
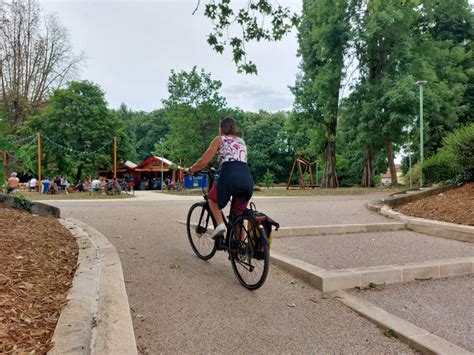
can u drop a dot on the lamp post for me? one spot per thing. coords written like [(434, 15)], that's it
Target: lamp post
[(421, 83), (409, 161), (162, 151)]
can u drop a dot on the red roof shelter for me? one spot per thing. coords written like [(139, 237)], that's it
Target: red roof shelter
[(147, 174)]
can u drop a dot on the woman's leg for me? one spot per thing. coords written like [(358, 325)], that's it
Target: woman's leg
[(216, 212), (220, 226)]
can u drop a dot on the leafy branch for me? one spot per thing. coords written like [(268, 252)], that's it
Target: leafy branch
[(251, 20)]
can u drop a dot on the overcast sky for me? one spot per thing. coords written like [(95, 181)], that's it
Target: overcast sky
[(131, 47)]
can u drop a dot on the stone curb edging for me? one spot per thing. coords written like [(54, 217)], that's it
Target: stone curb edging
[(334, 280), (407, 332), (435, 228), (400, 198), (306, 231), (417, 337), (97, 317), (38, 208), (439, 229)]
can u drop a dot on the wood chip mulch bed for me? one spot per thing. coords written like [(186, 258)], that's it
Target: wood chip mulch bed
[(38, 258), (454, 206)]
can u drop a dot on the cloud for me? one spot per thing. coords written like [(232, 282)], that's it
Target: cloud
[(258, 97)]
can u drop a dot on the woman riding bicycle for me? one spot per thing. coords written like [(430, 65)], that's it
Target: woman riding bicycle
[(235, 178)]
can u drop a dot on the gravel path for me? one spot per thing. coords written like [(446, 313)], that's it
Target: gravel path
[(322, 210), (443, 306), (370, 249), (182, 304)]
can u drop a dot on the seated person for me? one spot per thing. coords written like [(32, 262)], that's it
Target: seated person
[(33, 185), (13, 183), (79, 187), (95, 186), (87, 184), (57, 184), (64, 185)]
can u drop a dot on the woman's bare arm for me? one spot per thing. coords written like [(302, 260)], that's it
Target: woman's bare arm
[(207, 156)]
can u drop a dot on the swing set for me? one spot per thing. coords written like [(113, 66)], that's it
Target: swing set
[(304, 167)]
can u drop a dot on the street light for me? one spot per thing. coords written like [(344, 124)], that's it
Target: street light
[(162, 151), (421, 83)]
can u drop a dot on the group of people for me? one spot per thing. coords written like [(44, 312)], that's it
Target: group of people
[(53, 186), (107, 186)]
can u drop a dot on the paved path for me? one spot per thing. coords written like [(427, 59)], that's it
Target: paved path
[(181, 304)]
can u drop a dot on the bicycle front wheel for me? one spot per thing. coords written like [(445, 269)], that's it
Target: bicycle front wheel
[(250, 255), (200, 226)]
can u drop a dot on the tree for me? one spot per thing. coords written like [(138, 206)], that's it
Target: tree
[(77, 131), (396, 45), (266, 137), (445, 58), (192, 112), (323, 39), (35, 58), (233, 28), (150, 128)]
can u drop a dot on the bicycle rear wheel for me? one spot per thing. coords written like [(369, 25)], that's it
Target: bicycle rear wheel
[(250, 257), (200, 225)]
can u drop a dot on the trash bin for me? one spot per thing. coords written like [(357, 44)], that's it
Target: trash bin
[(44, 187)]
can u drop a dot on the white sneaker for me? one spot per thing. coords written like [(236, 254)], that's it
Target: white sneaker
[(219, 231)]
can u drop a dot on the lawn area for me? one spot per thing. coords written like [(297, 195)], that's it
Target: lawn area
[(282, 191), (70, 196)]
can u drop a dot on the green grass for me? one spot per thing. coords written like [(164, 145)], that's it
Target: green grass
[(282, 191), (70, 196)]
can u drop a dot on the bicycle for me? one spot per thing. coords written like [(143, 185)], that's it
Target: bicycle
[(246, 239)]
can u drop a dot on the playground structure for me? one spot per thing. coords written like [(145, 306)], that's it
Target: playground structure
[(304, 168)]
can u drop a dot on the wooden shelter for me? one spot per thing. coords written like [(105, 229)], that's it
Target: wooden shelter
[(147, 174), (151, 168)]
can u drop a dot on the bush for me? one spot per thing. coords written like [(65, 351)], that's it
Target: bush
[(22, 204), (377, 180), (415, 175), (439, 168), (459, 145), (268, 178)]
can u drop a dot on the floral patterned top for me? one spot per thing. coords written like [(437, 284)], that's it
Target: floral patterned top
[(232, 149)]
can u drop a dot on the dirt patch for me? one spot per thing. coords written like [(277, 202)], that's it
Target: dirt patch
[(455, 206), (38, 257)]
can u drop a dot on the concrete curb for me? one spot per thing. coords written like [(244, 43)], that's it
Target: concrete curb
[(417, 337), (38, 208), (334, 280), (97, 318), (285, 232), (401, 198), (435, 228)]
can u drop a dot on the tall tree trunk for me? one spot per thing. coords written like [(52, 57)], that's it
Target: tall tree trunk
[(391, 163), (368, 173), (329, 179), (79, 173)]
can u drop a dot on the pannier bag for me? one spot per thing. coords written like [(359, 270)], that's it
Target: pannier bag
[(262, 221)]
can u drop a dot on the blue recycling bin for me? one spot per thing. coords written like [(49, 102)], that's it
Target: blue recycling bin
[(44, 186), (195, 182)]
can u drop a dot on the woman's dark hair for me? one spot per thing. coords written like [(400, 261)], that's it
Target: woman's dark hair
[(228, 126)]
